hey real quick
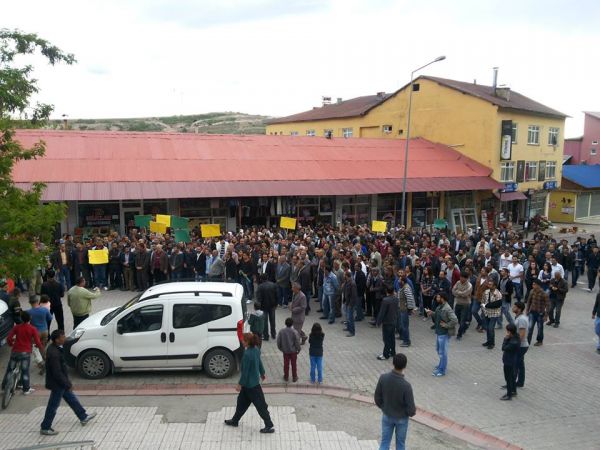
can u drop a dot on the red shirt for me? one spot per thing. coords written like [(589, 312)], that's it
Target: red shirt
[(21, 337)]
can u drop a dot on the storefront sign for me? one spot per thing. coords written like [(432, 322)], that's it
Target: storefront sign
[(506, 140), (510, 187), (549, 185)]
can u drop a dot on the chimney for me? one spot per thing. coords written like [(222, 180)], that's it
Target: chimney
[(495, 82), (381, 94), (503, 92), (339, 100), (326, 100)]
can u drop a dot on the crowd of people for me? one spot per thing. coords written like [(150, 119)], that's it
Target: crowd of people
[(349, 273)]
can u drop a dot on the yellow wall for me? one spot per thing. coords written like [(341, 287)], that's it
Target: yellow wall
[(440, 114), (562, 206)]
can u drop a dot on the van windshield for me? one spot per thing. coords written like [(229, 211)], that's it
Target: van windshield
[(111, 315)]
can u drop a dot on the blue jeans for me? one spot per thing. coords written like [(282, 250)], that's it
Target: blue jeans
[(476, 312), (575, 276), (248, 288), (388, 425), (518, 289), (320, 296), (536, 318), (200, 277), (329, 307), (24, 359), (597, 326), (350, 319), (505, 313), (490, 326), (65, 276), (402, 326), (316, 365), (283, 295), (441, 346), (54, 402), (99, 275)]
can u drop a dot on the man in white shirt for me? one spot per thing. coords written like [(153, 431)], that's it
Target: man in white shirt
[(556, 267), (505, 259), (516, 272)]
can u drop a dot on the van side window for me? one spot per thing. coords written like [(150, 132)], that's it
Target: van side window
[(147, 318), (190, 315)]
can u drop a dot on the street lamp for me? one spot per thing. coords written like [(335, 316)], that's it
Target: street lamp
[(410, 91)]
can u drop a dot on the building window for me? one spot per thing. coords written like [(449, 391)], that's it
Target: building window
[(550, 170), (507, 171), (328, 133), (593, 151), (594, 142), (514, 133), (347, 132), (311, 133), (387, 129), (533, 135), (553, 136), (531, 171), (293, 133)]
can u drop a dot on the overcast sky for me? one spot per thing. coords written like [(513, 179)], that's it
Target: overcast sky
[(139, 58)]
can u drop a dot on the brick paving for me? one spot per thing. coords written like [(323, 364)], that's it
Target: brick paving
[(561, 391)]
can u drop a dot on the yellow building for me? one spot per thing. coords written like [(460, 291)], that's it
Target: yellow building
[(520, 139)]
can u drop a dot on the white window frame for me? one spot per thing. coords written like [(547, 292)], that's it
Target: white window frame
[(553, 131), (327, 130), (311, 132), (387, 129), (531, 171), (533, 131), (594, 142), (514, 132), (347, 132), (593, 151), (505, 167), (550, 170)]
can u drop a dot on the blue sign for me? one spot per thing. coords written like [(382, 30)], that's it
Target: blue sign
[(510, 187), (549, 185)]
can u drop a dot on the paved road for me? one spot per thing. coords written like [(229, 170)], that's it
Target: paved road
[(197, 422), (557, 409)]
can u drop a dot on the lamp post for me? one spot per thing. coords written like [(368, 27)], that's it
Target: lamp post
[(410, 92)]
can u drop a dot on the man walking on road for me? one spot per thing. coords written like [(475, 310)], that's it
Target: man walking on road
[(445, 322), (558, 292), (55, 291), (80, 301), (298, 309), (266, 296), (394, 396), (522, 324), (593, 264), (537, 310), (57, 381), (596, 318)]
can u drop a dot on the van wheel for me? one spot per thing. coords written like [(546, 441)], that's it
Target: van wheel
[(93, 365), (219, 363)]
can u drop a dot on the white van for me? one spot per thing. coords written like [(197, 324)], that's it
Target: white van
[(171, 326)]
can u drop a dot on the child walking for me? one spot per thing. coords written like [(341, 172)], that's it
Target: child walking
[(315, 340)]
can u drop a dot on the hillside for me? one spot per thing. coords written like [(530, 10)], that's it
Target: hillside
[(212, 123)]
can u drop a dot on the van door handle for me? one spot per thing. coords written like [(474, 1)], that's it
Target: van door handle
[(163, 337), (171, 337)]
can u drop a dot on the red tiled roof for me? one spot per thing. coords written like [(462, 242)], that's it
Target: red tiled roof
[(516, 101), (113, 165), (358, 106)]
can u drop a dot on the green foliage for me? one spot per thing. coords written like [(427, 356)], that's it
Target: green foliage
[(23, 218)]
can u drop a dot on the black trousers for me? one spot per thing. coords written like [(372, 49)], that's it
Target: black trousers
[(389, 340), (555, 310), (78, 319), (57, 311), (252, 396), (142, 279), (520, 369), (509, 377), (269, 319)]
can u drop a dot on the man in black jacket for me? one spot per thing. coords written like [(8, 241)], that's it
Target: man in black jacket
[(55, 291), (360, 279), (57, 381), (267, 296), (387, 318)]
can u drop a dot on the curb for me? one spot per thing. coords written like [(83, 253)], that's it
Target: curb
[(437, 422)]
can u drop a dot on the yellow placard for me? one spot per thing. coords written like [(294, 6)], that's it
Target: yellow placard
[(288, 223), (379, 226), (162, 218), (98, 256), (210, 229), (156, 227)]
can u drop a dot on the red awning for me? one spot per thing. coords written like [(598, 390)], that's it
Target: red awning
[(509, 196)]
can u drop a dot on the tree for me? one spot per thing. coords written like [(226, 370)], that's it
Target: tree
[(23, 218)]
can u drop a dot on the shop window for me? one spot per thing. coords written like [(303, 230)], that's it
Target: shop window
[(155, 207), (582, 206), (347, 132), (101, 217)]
